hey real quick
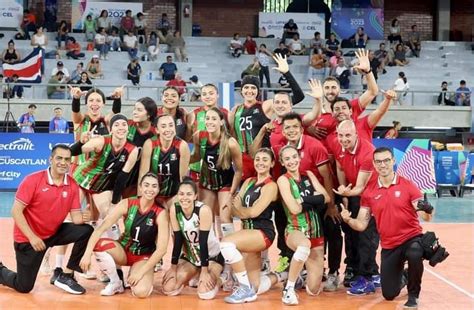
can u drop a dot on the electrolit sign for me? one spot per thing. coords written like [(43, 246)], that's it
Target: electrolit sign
[(22, 154)]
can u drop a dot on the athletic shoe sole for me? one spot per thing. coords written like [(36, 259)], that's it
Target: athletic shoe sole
[(66, 288), (248, 299), (361, 294)]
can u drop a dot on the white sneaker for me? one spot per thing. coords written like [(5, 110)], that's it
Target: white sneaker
[(331, 283), (45, 267), (89, 275), (289, 297), (103, 278), (112, 288)]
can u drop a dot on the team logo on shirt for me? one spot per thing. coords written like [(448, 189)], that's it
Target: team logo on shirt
[(64, 194), (302, 154), (257, 190), (255, 111), (179, 122), (173, 157), (378, 197), (306, 183), (196, 224), (122, 158), (397, 194), (149, 222)]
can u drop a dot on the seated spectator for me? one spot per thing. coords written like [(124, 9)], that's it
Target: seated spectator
[(130, 44), (289, 31), (414, 42), (252, 69), (236, 46), (64, 70), (55, 91), (316, 42), (282, 50), (334, 62), (250, 46), (296, 46), (39, 39), (58, 124), (63, 33), (168, 69), (444, 97), (399, 58), (73, 49), (395, 32), (89, 27), (28, 24), (84, 82), (127, 24), (134, 70), (153, 47), (317, 65), (102, 43), (177, 46), (332, 45), (360, 38), (10, 55), (284, 86), (375, 65), (401, 87), (104, 21), (179, 83), (140, 28), (463, 94), (114, 40), (26, 122), (164, 25), (342, 73), (15, 90), (76, 73), (382, 56), (94, 69), (195, 90)]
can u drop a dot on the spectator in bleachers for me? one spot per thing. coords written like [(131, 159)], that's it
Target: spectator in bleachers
[(332, 45), (130, 44), (250, 46), (317, 65), (28, 24), (289, 30), (395, 32), (399, 58), (73, 49), (444, 97), (236, 46), (10, 55), (56, 91), (84, 82), (39, 39), (264, 56), (16, 90), (177, 46), (26, 122), (392, 133), (382, 56), (64, 70), (63, 33), (153, 46), (414, 42), (94, 69), (102, 43), (168, 69), (76, 73), (334, 62), (114, 40), (164, 25), (89, 27), (375, 65), (252, 69), (127, 24), (342, 73), (134, 70), (179, 84), (296, 46), (195, 90), (283, 51), (463, 94), (401, 86), (140, 28), (104, 21), (360, 38), (58, 124), (316, 42)]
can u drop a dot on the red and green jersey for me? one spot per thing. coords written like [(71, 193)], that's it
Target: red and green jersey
[(248, 121), (165, 164), (308, 222), (141, 230), (99, 172), (87, 125), (179, 119)]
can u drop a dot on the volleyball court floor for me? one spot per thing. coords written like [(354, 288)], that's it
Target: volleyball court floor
[(450, 285)]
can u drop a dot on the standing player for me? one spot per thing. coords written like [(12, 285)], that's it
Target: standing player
[(141, 246), (196, 248), (184, 120)]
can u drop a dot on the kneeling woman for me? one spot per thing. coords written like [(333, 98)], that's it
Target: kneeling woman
[(253, 206), (191, 221), (142, 245), (303, 198)]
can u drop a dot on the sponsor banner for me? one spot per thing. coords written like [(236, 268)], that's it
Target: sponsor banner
[(116, 10), (345, 22), (414, 161), (467, 170), (11, 13), (22, 154), (308, 24), (449, 166)]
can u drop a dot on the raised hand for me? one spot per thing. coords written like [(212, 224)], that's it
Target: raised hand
[(76, 92), (343, 190), (391, 94), (282, 63), (364, 63), (118, 92), (316, 89), (345, 214)]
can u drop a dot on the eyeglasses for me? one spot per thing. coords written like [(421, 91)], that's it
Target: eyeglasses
[(385, 161)]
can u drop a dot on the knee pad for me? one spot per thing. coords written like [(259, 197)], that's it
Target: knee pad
[(209, 295), (230, 253), (301, 253), (265, 284), (175, 292), (227, 228)]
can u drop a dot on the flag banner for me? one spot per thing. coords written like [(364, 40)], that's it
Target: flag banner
[(28, 69)]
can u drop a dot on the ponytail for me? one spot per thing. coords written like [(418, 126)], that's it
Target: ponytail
[(224, 161)]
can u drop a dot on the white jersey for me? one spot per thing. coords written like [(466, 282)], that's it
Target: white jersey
[(190, 229)]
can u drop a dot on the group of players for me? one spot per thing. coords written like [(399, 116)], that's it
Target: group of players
[(260, 162)]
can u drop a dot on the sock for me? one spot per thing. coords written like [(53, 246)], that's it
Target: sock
[(107, 265), (59, 260), (290, 285), (227, 229), (242, 278)]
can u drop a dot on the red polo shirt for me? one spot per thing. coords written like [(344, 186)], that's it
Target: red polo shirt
[(47, 204), (359, 160), (395, 217)]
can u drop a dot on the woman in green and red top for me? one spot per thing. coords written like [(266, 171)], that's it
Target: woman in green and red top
[(304, 199), (168, 156), (141, 246)]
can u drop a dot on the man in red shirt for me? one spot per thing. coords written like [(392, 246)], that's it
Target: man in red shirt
[(42, 202), (393, 201), (354, 169), (179, 83)]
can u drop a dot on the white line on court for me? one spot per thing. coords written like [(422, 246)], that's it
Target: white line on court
[(460, 289)]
